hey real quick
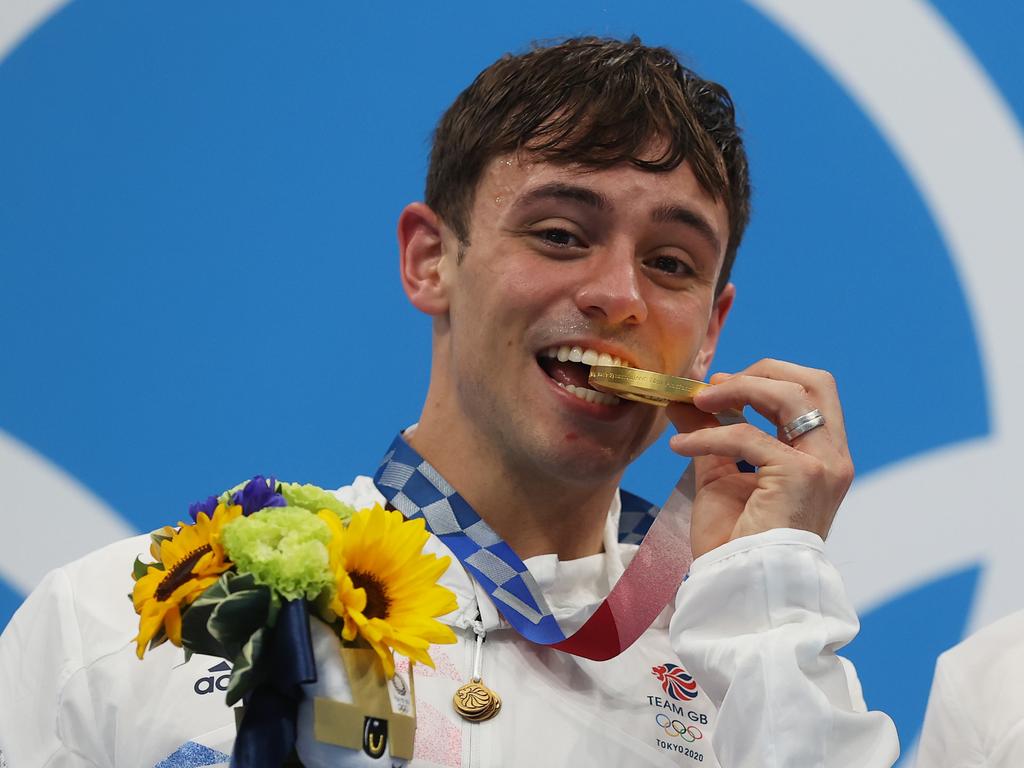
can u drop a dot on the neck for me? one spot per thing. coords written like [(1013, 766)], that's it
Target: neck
[(534, 511)]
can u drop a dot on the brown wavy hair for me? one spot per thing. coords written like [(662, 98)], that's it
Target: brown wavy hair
[(595, 102)]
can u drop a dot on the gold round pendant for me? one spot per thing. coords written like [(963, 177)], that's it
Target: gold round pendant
[(475, 702), (643, 386)]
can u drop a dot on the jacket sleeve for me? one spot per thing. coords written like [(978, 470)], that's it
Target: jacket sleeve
[(42, 681), (949, 738), (757, 623)]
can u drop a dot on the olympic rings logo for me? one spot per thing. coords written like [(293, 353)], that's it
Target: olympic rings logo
[(677, 729)]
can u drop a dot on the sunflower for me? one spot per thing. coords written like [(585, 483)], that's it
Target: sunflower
[(189, 560), (387, 590)]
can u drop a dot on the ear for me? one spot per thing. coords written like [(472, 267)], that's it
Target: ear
[(719, 311), (421, 250)]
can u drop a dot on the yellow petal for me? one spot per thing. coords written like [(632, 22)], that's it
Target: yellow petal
[(381, 545), (148, 627), (172, 625)]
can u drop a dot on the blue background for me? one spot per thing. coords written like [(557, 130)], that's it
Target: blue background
[(197, 212)]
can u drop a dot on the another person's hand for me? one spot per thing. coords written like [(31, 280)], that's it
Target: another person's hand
[(798, 484)]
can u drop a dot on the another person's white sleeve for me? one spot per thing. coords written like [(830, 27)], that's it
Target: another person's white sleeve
[(948, 738), (975, 716), (758, 623)]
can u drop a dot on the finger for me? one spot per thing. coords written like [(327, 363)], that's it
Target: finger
[(778, 401), (820, 384), (821, 388), (736, 441), (688, 418), (710, 468)]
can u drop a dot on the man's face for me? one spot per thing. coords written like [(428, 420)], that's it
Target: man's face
[(618, 262)]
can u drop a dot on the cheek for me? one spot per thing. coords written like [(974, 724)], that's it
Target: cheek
[(683, 327), (486, 321), (514, 301)]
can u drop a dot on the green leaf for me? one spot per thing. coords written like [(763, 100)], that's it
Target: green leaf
[(195, 635), (196, 638), (225, 498), (157, 537), (224, 618), (247, 672), (158, 639), (140, 569), (238, 615)]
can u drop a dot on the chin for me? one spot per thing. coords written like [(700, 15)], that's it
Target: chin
[(578, 459)]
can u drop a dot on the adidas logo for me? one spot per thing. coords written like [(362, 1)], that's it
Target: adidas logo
[(215, 681)]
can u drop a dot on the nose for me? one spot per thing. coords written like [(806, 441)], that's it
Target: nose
[(610, 289)]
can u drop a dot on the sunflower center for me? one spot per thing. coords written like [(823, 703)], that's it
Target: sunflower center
[(178, 573), (377, 600)]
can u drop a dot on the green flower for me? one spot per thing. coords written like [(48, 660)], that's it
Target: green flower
[(314, 499), (284, 548)]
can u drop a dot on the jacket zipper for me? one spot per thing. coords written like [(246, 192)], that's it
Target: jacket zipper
[(473, 657)]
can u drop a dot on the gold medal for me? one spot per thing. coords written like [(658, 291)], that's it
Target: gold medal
[(475, 702), (644, 386)]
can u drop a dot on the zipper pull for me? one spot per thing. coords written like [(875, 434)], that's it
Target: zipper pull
[(474, 701)]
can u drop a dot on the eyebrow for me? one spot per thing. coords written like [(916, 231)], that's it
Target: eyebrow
[(669, 213), (689, 218), (559, 190)]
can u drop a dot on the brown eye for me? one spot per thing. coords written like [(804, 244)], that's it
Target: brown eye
[(559, 237), (670, 265)]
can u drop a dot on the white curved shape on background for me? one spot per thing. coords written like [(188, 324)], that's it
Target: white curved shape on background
[(19, 17), (957, 138), (926, 92), (35, 491), (953, 132), (962, 147), (26, 476)]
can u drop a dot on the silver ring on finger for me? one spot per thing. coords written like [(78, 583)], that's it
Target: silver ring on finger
[(802, 425)]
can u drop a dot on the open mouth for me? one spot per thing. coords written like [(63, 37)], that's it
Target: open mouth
[(569, 368)]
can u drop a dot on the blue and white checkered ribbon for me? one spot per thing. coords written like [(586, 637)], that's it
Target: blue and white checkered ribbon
[(414, 487)]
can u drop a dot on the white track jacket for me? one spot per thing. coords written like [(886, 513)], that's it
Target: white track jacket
[(757, 624)]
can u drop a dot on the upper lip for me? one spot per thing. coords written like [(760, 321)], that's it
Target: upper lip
[(598, 346)]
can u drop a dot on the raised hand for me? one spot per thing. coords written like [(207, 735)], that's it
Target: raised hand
[(799, 483)]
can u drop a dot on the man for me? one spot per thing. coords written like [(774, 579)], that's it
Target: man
[(584, 204)]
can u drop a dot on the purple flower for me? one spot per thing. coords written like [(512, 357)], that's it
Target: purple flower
[(259, 493), (202, 506)]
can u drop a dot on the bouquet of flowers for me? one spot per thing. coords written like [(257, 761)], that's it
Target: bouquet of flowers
[(243, 580)]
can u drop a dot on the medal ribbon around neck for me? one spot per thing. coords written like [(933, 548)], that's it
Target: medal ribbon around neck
[(412, 485)]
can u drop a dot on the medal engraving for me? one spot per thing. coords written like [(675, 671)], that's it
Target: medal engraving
[(643, 386)]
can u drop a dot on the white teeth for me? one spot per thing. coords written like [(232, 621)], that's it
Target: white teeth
[(590, 395), (582, 355)]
